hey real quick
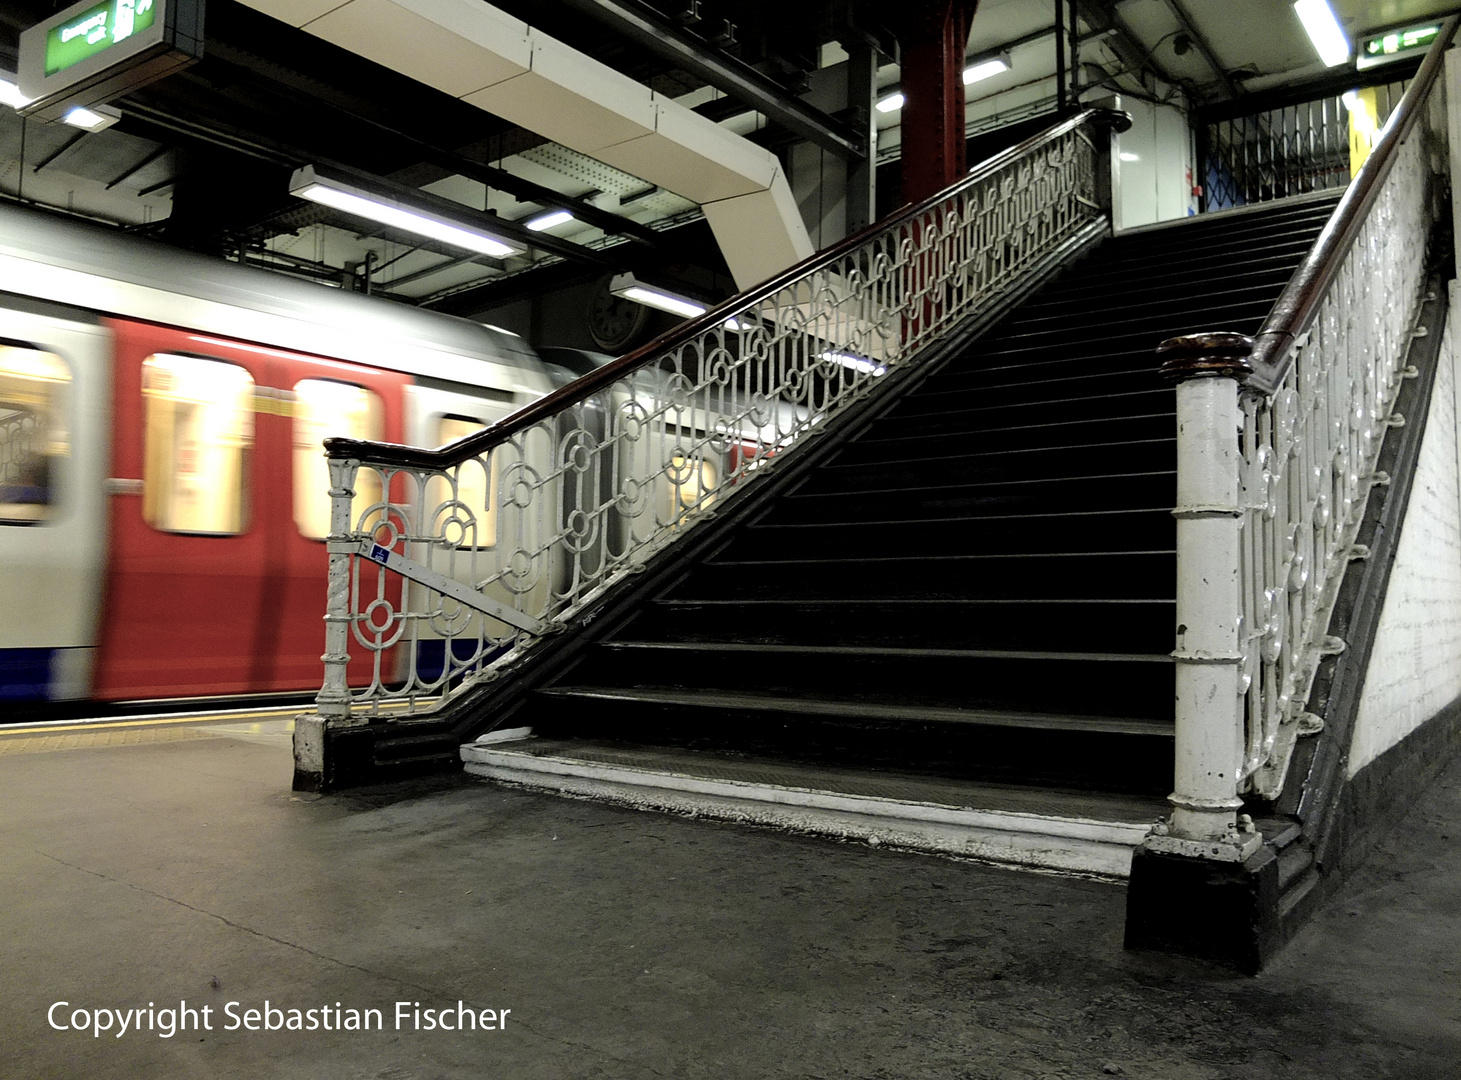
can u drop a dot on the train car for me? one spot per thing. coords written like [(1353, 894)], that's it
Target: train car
[(163, 494)]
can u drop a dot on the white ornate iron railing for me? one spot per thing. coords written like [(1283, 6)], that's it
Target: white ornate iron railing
[(473, 552), (1278, 439)]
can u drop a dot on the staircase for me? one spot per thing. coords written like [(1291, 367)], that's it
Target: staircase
[(972, 601)]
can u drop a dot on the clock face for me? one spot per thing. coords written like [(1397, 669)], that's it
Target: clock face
[(614, 322)]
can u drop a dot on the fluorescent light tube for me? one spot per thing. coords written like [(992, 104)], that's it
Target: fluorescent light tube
[(675, 305), (891, 103), (1126, 156), (1324, 31), (548, 220), (631, 288), (308, 183), (983, 69), (10, 94), (91, 119), (856, 363)]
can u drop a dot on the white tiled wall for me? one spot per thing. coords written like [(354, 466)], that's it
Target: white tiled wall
[(1415, 669)]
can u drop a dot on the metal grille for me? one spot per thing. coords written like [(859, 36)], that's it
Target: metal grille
[(1293, 150), (440, 586)]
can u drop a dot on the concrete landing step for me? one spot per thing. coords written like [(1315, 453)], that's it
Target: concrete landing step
[(1034, 829)]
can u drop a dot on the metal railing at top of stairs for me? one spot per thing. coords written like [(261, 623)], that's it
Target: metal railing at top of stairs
[(501, 537), (1278, 440)]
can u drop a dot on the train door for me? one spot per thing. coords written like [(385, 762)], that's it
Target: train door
[(193, 509), (54, 409), (326, 399)]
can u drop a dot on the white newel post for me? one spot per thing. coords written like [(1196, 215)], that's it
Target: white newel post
[(1204, 822), (333, 700)]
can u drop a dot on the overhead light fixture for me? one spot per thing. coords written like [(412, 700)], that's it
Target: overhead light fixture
[(1128, 156), (548, 220), (986, 67), (10, 93), (394, 207), (1324, 31), (96, 118), (629, 287), (981, 69)]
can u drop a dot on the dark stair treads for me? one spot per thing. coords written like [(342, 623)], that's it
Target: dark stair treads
[(1087, 684), (1036, 534), (1094, 753), (1190, 278), (907, 420), (912, 438), (1120, 575), (1070, 625), (1044, 495), (948, 470), (981, 584)]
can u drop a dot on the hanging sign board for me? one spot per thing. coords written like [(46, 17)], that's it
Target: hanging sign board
[(97, 50), (1398, 44)]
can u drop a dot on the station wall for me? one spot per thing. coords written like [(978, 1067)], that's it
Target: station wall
[(1415, 666)]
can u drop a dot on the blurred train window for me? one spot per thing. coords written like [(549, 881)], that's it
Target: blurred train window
[(199, 421), (33, 432), (693, 480), (472, 486), (323, 409)]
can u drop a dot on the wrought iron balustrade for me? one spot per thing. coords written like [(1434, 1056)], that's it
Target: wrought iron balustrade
[(1278, 439), (477, 550)]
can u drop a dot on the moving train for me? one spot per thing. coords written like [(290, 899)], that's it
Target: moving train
[(163, 492)]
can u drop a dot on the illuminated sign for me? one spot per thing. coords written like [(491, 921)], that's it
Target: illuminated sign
[(1396, 44), (98, 50), (95, 30)]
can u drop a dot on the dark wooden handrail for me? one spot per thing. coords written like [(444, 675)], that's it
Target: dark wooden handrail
[(470, 446), (1298, 305)]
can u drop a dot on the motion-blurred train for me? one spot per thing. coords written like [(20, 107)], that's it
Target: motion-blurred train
[(163, 492)]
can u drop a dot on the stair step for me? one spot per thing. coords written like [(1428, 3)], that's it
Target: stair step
[(1135, 333), (887, 712), (911, 437), (1043, 682), (937, 416), (950, 470), (1091, 752), (1073, 625), (1153, 305), (1145, 529), (1033, 393), (1049, 829), (1100, 575), (1081, 287), (1004, 498)]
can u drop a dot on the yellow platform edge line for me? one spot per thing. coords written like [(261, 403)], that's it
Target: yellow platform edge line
[(163, 719)]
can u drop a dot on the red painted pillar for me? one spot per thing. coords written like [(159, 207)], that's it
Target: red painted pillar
[(932, 35)]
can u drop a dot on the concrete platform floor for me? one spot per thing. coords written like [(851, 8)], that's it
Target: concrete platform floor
[(177, 865)]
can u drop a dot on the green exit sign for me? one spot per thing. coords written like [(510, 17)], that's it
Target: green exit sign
[(95, 30), (98, 50), (1396, 44)]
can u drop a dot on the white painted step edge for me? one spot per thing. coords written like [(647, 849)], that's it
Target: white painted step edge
[(1021, 840)]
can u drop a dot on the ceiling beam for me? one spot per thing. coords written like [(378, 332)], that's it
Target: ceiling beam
[(688, 51)]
